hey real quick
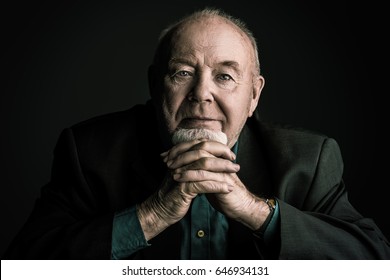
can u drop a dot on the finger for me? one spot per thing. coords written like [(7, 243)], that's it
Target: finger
[(201, 176), (164, 154), (206, 187), (181, 148), (210, 164), (215, 148), (187, 158)]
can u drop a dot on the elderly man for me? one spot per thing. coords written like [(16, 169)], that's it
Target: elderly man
[(194, 173)]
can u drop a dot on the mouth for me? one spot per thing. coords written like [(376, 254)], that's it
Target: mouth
[(201, 122)]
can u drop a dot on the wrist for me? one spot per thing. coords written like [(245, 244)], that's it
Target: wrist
[(255, 214), (150, 221), (271, 204)]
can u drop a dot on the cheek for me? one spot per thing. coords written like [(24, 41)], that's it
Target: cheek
[(172, 99), (235, 110)]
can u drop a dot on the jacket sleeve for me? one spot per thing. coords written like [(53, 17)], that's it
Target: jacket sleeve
[(324, 225), (67, 221)]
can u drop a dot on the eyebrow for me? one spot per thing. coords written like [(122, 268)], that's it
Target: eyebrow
[(180, 60), (226, 63), (231, 64)]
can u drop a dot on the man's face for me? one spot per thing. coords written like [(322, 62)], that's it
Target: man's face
[(210, 81)]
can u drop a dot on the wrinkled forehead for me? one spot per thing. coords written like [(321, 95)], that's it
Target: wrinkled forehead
[(207, 32)]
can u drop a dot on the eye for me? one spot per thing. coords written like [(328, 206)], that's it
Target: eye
[(225, 81), (181, 76), (225, 77), (182, 73)]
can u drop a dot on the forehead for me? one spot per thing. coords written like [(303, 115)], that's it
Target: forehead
[(215, 37)]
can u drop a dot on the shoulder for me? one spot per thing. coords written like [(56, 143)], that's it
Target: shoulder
[(107, 131), (112, 120), (283, 131), (130, 121), (293, 143), (287, 134)]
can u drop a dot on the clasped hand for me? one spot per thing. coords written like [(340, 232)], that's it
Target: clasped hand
[(200, 167)]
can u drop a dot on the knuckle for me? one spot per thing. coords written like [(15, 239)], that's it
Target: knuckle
[(201, 154), (186, 190), (194, 187), (201, 173), (203, 145), (203, 161), (218, 186), (178, 157)]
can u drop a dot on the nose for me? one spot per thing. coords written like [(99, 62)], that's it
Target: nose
[(201, 91)]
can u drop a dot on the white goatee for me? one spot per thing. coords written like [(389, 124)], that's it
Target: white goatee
[(185, 135)]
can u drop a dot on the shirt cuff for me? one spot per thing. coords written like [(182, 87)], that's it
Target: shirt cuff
[(273, 226), (127, 234)]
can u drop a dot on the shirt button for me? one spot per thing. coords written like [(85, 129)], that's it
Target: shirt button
[(200, 233)]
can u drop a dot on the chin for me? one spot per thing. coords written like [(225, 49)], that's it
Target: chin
[(189, 134)]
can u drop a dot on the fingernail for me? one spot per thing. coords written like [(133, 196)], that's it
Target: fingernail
[(169, 163), (177, 176), (164, 153)]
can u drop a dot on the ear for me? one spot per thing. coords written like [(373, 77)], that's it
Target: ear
[(258, 85)]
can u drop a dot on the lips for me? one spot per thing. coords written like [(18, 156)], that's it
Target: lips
[(200, 119), (201, 122)]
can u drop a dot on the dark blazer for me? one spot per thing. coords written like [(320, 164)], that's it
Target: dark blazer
[(110, 162)]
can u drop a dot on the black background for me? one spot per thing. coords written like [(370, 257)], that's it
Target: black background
[(66, 61)]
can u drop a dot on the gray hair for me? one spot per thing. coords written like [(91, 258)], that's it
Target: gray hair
[(188, 134), (166, 34)]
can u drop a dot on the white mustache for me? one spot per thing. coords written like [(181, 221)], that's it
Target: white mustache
[(184, 135)]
